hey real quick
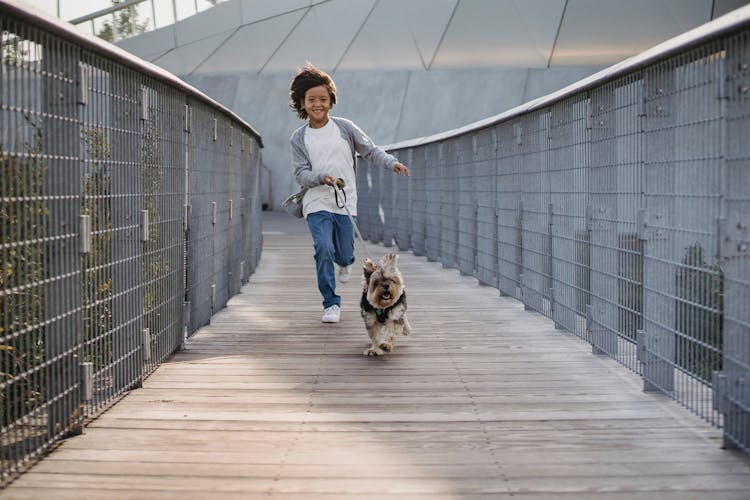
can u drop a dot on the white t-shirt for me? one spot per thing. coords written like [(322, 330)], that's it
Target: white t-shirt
[(329, 153)]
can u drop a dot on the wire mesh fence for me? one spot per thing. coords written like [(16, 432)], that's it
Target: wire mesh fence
[(620, 210), (128, 215)]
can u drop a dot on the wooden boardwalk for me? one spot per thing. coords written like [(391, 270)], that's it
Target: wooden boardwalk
[(483, 400)]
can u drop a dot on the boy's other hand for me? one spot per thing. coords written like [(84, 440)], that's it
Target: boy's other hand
[(402, 169)]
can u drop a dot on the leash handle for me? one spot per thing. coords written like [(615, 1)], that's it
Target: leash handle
[(336, 188), (340, 188)]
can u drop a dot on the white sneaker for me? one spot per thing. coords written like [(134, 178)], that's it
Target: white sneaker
[(345, 272), (331, 314)]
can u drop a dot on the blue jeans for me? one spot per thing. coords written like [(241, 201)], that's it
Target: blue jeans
[(333, 240)]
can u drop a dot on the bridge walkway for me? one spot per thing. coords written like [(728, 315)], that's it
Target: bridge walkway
[(483, 400)]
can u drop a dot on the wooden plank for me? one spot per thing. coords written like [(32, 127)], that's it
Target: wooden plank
[(95, 493), (383, 469), (483, 400), (256, 485)]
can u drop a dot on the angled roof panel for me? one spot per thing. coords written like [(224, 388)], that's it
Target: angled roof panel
[(322, 36), (383, 41), (222, 17), (156, 41), (599, 33), (426, 21), (184, 59), (153, 56), (248, 49), (500, 33), (257, 10), (542, 28)]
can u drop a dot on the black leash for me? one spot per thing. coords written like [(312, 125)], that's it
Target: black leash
[(339, 186)]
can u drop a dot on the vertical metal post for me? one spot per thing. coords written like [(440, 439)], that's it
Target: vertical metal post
[(84, 233), (87, 381), (144, 103), (83, 85), (185, 324), (144, 226)]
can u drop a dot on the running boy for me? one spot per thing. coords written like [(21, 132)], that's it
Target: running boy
[(324, 150)]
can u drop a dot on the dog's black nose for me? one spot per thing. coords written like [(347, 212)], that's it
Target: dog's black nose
[(385, 286)]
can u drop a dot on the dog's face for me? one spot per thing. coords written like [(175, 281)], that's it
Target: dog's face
[(383, 283)]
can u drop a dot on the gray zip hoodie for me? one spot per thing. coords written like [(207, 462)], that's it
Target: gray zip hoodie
[(351, 133)]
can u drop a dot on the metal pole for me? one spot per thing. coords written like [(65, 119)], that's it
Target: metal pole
[(103, 12)]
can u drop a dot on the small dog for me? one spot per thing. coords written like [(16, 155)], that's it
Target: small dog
[(383, 304)]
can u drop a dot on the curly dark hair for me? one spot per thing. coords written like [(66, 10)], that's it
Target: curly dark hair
[(307, 77)]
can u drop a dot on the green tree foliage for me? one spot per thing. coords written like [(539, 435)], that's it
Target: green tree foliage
[(629, 284), (125, 23), (699, 314), (23, 215), (13, 49)]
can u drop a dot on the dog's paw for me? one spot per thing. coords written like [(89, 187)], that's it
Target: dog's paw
[(373, 351), (386, 346)]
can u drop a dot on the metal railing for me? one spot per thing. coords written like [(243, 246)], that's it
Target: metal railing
[(618, 207), (129, 214)]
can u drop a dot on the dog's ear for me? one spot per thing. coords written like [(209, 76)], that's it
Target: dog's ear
[(389, 262), (369, 268)]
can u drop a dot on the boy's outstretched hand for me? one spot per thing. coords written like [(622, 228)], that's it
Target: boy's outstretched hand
[(399, 168), (402, 169)]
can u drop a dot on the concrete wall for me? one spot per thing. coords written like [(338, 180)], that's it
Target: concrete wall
[(389, 106)]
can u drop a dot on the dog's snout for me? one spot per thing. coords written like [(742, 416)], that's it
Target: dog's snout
[(385, 286)]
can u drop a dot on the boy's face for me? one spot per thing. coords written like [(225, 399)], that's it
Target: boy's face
[(317, 104)]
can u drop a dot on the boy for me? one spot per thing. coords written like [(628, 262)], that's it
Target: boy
[(324, 150)]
